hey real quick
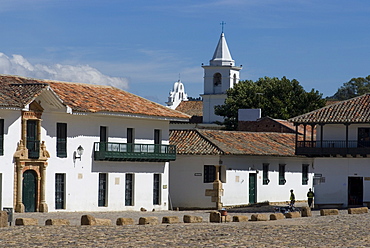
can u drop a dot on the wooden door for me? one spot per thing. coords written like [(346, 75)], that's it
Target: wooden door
[(29, 190)]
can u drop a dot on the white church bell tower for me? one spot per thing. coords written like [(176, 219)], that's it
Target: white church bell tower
[(177, 95), (220, 75)]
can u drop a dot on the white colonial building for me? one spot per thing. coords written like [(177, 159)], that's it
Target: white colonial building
[(252, 167), (340, 151), (81, 147)]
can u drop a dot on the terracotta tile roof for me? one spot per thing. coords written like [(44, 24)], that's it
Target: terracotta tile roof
[(214, 142), (14, 94), (192, 142), (82, 97), (290, 125), (355, 110), (331, 101), (192, 108)]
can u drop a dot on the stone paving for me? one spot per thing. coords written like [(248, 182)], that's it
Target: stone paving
[(343, 230)]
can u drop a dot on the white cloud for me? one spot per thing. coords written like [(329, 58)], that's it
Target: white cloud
[(18, 65)]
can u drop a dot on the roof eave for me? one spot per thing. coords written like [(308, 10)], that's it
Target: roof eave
[(131, 115)]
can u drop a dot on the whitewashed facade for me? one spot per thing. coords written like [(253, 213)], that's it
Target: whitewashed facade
[(245, 178), (341, 151), (125, 159), (187, 186)]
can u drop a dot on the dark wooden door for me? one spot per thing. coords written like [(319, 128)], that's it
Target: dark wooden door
[(252, 188), (29, 190)]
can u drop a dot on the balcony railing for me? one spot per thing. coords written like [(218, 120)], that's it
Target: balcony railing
[(108, 151), (333, 147)]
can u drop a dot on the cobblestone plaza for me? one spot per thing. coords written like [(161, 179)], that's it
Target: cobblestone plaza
[(343, 230)]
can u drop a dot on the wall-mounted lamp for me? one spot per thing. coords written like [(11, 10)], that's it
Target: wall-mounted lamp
[(79, 152)]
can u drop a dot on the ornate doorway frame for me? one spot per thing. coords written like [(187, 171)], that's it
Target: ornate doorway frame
[(22, 162)]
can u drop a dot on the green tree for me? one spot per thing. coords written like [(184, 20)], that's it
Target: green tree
[(354, 87), (277, 98)]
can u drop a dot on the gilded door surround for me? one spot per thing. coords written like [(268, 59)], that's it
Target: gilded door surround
[(23, 163)]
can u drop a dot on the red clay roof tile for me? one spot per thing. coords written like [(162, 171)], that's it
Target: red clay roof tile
[(355, 110), (192, 108), (214, 142), (18, 91)]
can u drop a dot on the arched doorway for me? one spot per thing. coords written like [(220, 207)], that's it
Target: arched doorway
[(29, 190)]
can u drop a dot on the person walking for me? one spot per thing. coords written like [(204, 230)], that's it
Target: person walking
[(310, 196), (292, 198)]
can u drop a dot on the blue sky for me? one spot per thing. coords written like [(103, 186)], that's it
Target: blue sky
[(143, 46)]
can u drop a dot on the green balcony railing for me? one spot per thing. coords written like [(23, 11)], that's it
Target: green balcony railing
[(109, 151)]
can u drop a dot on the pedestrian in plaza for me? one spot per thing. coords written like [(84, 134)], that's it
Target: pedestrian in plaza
[(292, 198), (310, 196)]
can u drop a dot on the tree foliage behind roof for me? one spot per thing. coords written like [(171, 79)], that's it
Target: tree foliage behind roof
[(354, 87), (277, 98)]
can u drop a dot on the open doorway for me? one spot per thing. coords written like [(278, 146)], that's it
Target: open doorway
[(355, 191)]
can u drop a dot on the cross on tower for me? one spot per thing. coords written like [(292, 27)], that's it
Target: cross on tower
[(222, 24)]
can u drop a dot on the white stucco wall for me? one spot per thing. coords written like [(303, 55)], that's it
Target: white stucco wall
[(338, 131), (273, 192), (186, 181), (81, 176), (209, 103), (188, 190), (333, 187), (12, 133)]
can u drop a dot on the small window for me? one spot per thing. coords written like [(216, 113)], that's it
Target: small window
[(157, 140), (60, 190), (157, 136), (62, 140), (305, 174), (129, 190), (209, 173), (156, 189), (102, 194), (265, 174), (282, 180), (130, 136)]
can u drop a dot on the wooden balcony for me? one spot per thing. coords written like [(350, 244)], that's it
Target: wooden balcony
[(333, 148), (108, 151)]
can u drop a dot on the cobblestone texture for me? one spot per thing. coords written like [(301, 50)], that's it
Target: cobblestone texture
[(341, 230)]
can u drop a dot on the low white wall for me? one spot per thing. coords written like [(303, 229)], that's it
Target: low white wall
[(238, 188), (187, 188), (334, 173)]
